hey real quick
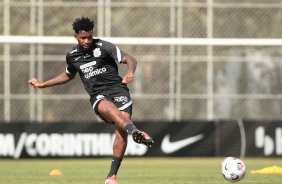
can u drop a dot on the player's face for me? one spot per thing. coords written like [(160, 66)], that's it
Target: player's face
[(84, 39)]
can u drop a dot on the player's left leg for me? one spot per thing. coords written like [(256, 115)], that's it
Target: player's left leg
[(119, 147)]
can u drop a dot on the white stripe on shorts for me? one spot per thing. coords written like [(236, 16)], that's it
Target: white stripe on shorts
[(121, 108), (67, 71), (99, 97), (125, 105)]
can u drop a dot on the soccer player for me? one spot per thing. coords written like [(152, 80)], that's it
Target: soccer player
[(95, 61)]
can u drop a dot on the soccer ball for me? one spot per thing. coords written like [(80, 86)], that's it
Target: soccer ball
[(233, 169)]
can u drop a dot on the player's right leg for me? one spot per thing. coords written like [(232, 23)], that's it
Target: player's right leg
[(115, 112), (111, 113)]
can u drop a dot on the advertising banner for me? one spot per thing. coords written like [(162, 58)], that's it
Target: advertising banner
[(173, 139)]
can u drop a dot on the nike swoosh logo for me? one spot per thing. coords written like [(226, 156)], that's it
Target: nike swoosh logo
[(77, 58), (169, 147)]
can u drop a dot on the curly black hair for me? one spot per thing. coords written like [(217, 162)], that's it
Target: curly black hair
[(83, 23)]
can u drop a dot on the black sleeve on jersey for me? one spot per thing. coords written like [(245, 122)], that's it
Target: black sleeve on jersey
[(114, 51), (70, 69)]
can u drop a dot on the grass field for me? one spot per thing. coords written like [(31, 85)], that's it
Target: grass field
[(133, 171)]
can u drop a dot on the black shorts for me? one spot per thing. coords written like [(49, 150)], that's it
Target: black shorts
[(118, 96)]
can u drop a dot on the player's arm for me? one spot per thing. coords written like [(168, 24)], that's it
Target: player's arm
[(131, 66), (60, 79)]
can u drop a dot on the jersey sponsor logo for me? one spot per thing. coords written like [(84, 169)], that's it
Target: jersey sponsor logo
[(90, 72), (73, 51), (169, 147), (97, 52), (87, 65)]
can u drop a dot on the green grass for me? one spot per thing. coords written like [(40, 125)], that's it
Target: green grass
[(133, 171)]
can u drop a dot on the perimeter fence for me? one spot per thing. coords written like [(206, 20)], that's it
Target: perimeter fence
[(197, 59)]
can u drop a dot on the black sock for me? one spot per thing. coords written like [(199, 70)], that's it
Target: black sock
[(114, 166), (130, 128)]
